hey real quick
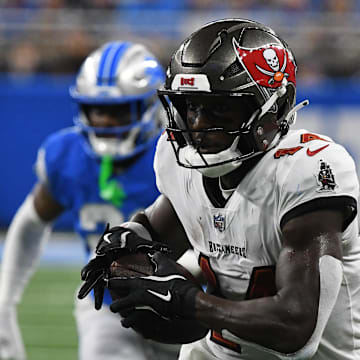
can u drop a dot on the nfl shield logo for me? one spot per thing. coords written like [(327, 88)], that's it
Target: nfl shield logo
[(219, 222)]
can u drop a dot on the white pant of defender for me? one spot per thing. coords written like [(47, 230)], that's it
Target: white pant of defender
[(101, 336)]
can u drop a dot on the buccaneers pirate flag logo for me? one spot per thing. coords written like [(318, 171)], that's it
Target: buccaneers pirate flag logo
[(267, 66)]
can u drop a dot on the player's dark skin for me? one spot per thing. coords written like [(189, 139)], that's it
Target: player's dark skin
[(100, 116), (283, 322)]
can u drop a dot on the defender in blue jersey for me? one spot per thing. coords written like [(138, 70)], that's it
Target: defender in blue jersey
[(101, 170)]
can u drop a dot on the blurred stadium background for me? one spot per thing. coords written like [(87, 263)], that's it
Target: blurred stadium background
[(43, 43)]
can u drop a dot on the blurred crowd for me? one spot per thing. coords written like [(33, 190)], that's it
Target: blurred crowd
[(332, 5), (56, 35)]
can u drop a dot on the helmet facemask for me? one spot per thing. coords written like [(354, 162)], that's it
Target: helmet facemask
[(135, 127), (247, 139)]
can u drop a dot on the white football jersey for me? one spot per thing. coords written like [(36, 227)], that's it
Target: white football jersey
[(238, 245)]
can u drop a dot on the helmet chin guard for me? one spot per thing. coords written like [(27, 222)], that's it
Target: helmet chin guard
[(113, 146), (211, 165)]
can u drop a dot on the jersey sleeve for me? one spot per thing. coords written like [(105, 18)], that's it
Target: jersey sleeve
[(52, 165), (319, 180), (163, 162), (172, 180)]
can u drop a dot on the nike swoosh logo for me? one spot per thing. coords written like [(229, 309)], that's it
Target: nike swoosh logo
[(123, 239), (312, 153), (166, 297), (106, 238)]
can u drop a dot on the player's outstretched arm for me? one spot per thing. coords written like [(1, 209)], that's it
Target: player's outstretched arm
[(308, 279), (24, 241)]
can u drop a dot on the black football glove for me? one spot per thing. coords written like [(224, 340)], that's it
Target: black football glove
[(119, 240), (151, 326), (113, 243), (167, 293)]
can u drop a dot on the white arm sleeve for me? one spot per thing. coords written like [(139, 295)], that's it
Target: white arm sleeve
[(25, 239), (331, 274), (189, 261)]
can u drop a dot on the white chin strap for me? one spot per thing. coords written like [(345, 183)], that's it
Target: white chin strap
[(114, 146), (190, 156)]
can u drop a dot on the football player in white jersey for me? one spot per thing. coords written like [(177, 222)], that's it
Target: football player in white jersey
[(269, 212), (92, 169)]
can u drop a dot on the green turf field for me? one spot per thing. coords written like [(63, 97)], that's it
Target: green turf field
[(46, 314)]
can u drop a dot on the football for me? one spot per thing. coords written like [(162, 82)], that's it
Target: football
[(152, 325), (140, 264), (132, 265)]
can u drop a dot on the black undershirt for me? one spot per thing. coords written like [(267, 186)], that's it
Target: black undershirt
[(211, 185)]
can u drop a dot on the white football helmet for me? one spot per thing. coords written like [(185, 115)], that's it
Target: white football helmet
[(119, 73)]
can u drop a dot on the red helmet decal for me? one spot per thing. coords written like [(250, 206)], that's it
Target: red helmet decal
[(268, 66)]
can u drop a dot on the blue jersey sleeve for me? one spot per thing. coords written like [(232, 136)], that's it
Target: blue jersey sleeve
[(60, 163)]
